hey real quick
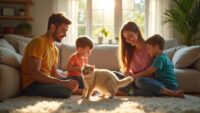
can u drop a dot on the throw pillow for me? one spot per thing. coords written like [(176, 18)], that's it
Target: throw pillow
[(186, 56), (10, 58), (22, 47), (4, 43), (170, 52), (13, 39)]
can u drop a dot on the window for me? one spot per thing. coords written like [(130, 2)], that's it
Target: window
[(103, 16), (82, 8), (109, 14), (133, 10)]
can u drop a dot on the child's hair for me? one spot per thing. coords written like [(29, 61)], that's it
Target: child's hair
[(84, 41), (156, 40)]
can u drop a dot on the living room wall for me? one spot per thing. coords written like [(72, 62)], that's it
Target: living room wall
[(40, 12)]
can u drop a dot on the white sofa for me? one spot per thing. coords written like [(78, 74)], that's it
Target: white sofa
[(103, 56)]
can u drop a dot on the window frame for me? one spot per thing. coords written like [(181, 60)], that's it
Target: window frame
[(117, 18)]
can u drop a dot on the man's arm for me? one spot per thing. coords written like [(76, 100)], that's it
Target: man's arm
[(55, 73), (37, 75), (147, 72)]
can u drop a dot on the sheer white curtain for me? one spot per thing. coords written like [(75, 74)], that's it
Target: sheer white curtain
[(69, 7), (155, 10)]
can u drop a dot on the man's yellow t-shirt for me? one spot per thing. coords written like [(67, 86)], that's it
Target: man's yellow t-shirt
[(42, 49)]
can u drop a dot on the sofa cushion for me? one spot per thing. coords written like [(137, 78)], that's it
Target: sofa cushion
[(197, 65), (186, 56), (170, 52), (172, 42), (105, 56), (9, 57), (102, 56), (9, 82), (188, 80), (4, 43), (65, 52)]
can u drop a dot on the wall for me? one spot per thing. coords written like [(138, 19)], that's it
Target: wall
[(40, 12)]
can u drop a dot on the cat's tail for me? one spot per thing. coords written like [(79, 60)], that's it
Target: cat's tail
[(125, 81)]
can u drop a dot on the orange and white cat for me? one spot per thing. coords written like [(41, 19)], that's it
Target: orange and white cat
[(102, 80)]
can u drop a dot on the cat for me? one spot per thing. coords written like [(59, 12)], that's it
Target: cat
[(101, 80)]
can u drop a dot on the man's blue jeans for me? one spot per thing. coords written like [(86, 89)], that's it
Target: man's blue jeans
[(143, 86), (47, 90)]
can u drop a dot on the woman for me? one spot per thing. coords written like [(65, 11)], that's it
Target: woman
[(133, 57)]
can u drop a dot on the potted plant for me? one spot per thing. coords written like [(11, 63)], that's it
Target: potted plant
[(24, 28), (21, 12), (117, 39), (184, 15), (103, 33)]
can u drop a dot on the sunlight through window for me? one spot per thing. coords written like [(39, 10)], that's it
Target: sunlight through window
[(109, 14), (104, 4)]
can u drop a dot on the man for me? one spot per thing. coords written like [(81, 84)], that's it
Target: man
[(39, 75)]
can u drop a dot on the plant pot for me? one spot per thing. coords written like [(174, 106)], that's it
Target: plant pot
[(100, 40), (110, 41), (22, 13)]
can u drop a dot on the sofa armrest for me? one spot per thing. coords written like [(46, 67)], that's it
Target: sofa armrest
[(9, 82)]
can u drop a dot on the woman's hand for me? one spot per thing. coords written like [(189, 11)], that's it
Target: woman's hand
[(127, 74)]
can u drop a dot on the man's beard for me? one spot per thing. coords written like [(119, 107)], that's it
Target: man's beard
[(55, 37)]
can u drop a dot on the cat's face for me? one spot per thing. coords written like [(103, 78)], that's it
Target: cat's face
[(87, 69)]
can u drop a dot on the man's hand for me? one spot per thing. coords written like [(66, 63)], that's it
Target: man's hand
[(71, 84)]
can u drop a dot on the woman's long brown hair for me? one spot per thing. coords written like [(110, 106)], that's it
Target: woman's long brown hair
[(126, 50)]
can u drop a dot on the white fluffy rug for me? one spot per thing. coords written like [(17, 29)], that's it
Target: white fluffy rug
[(75, 104)]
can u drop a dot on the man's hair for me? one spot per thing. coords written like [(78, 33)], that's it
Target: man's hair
[(156, 40), (84, 41), (57, 19)]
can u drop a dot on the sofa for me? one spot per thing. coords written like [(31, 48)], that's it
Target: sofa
[(186, 61)]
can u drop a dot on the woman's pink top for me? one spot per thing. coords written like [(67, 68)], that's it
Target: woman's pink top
[(140, 62)]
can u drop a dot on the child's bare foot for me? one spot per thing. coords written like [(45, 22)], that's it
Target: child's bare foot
[(179, 93), (172, 93)]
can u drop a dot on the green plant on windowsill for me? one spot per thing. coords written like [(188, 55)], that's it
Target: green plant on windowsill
[(102, 33), (117, 39), (184, 15)]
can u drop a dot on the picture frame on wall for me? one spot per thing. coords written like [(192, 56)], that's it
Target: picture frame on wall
[(8, 11)]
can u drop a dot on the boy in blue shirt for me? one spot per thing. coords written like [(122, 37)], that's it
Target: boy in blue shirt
[(164, 80)]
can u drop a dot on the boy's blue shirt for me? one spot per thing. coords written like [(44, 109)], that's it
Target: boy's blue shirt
[(165, 70)]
